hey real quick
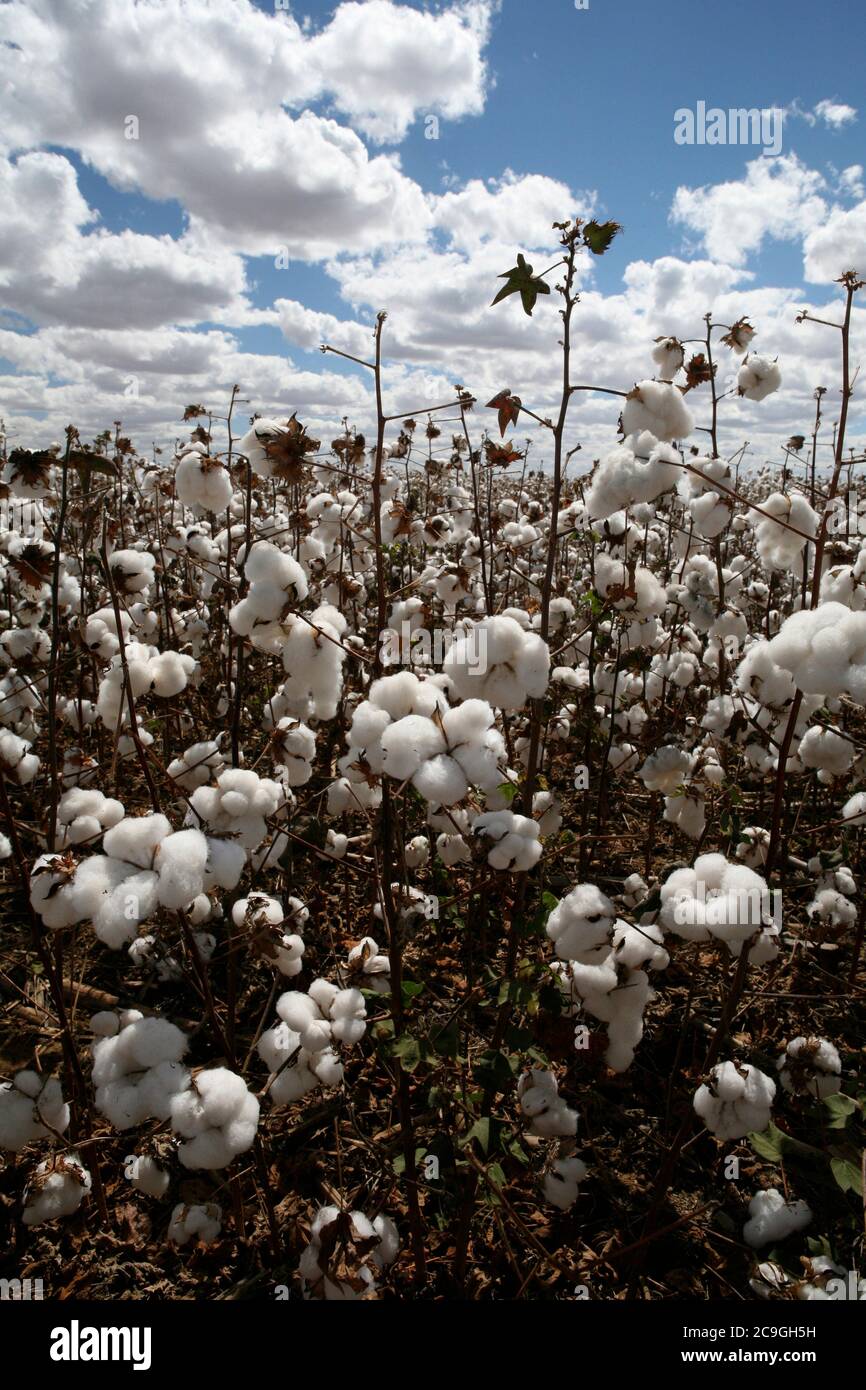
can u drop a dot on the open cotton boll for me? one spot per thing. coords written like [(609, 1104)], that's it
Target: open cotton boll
[(772, 1219), (217, 1118), (810, 1067), (294, 747), (416, 852), (736, 1101), (827, 751), (16, 761), (199, 1222), (135, 839), (137, 1072), (824, 649), (686, 812), (758, 377), (146, 1175), (516, 844), (197, 764), (409, 742), (581, 922), (500, 663), (714, 898), (854, 810), (669, 355), (201, 481), (345, 1254), (31, 1107), (131, 570), (543, 1106), (58, 1188), (666, 769), (562, 1182), (778, 545), (180, 862), (368, 967), (441, 781), (658, 407)]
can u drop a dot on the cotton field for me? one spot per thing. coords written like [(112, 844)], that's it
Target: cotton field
[(431, 872)]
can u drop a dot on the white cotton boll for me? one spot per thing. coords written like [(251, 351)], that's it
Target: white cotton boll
[(714, 898), (758, 377), (547, 811), (197, 765), (349, 1016), (416, 852), (581, 922), (132, 570), (146, 1175), (105, 1024), (540, 1101), (452, 849), (666, 769), (826, 750), (825, 650), (772, 1219), (409, 742), (658, 407), (31, 1107), (736, 1101), (201, 481), (170, 673), (831, 906), (58, 1189), (441, 781), (778, 545), (389, 1241), (217, 1117), (810, 1067), (854, 810), (199, 1222), (180, 863), (498, 662), (516, 844), (562, 1182), (225, 863), (369, 966), (687, 814), (135, 839), (16, 760), (669, 355)]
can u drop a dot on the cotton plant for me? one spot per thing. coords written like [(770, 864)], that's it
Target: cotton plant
[(199, 1222), (216, 1118), (266, 920), (137, 1066)]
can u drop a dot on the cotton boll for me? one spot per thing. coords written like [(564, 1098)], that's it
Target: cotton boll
[(31, 1107), (441, 781), (135, 839), (541, 1103), (780, 546), (58, 1189), (516, 844), (736, 1101), (498, 662), (772, 1219), (407, 743), (202, 482), (416, 852), (810, 1067), (198, 1222), (452, 849), (146, 1175), (349, 1016), (658, 407), (345, 1253), (824, 649), (562, 1182), (758, 377), (686, 812), (666, 769), (217, 1118), (368, 967), (581, 922), (181, 862)]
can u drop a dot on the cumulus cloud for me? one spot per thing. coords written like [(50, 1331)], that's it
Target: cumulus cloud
[(779, 197), (257, 174)]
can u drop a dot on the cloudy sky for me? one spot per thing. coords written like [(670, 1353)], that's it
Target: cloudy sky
[(197, 193)]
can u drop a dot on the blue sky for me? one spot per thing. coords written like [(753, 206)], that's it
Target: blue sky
[(541, 106)]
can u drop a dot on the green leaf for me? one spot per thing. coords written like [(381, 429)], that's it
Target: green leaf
[(508, 790), (410, 990), (841, 1107), (399, 1163), (598, 236), (480, 1132), (408, 1050), (769, 1144), (520, 280), (848, 1175)]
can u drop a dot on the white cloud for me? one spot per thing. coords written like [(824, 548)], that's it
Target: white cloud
[(213, 107), (778, 197), (837, 244), (835, 114)]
